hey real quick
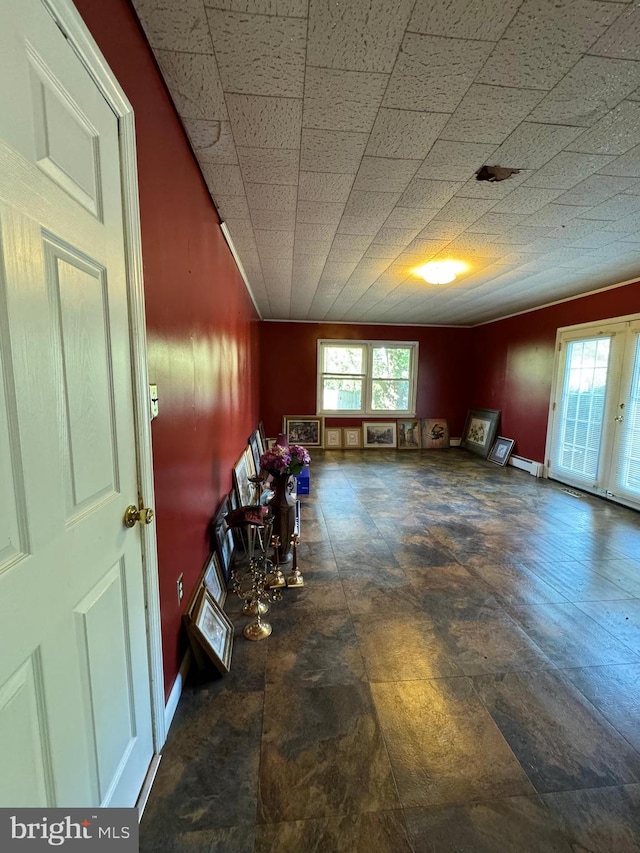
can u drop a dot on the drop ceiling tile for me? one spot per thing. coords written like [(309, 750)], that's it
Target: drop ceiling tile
[(324, 186), (173, 26), (496, 190), (381, 252), (442, 230), (410, 217), (225, 180), (426, 194), (233, 207), (336, 272), (622, 39), (527, 200), (271, 197), (597, 240), (277, 243), (535, 65), (490, 113), (240, 228), (359, 35), (344, 256), (614, 208), (464, 210), (521, 235), (397, 237), (404, 133), (614, 134), (495, 223), (212, 141), (361, 225), (261, 122), (384, 174), (290, 8), (589, 91), (258, 54), (247, 249), (595, 190), (344, 242), (417, 252), (454, 161), (532, 145), (567, 169), (342, 100), (553, 215), (332, 151), (265, 220), (320, 212), (306, 233), (627, 165), (371, 204), (269, 165), (462, 19), (433, 73), (575, 24), (194, 83)]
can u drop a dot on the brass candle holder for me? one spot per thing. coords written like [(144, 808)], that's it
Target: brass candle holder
[(295, 578), (252, 585), (275, 578)]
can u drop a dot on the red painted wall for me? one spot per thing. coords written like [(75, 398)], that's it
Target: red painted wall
[(201, 325), (513, 362), (288, 369)]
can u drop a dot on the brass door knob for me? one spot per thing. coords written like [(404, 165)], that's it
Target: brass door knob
[(132, 515)]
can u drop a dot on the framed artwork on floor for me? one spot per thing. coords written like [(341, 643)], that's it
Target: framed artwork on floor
[(409, 434), (332, 437), (307, 430), (352, 437), (480, 430), (213, 630), (379, 434), (435, 433), (501, 450)]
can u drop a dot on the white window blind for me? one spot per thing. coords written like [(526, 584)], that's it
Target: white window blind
[(577, 440)]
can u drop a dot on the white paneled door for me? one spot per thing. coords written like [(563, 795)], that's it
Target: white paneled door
[(75, 716), (595, 418)]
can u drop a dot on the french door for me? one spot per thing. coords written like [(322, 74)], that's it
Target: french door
[(595, 413)]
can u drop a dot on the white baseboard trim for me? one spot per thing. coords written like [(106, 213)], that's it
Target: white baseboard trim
[(454, 442), (533, 468), (176, 691)]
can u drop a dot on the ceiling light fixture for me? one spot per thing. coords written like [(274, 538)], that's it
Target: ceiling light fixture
[(440, 272)]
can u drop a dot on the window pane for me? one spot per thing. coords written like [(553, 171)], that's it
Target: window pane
[(389, 395), (582, 407), (340, 395), (391, 363), (343, 360)]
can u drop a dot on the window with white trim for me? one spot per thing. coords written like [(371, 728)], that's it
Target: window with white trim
[(367, 377)]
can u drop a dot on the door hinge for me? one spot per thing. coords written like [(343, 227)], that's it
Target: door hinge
[(560, 347), (553, 407)]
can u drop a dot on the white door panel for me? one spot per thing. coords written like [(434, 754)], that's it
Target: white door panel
[(595, 420), (72, 616)]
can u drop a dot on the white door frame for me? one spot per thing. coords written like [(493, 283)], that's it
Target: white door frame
[(72, 25), (560, 333)]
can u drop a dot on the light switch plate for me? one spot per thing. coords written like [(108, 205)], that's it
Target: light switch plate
[(153, 399)]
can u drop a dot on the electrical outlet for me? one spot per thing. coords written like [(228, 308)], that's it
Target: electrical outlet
[(180, 587)]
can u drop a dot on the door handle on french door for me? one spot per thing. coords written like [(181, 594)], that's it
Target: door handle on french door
[(619, 418)]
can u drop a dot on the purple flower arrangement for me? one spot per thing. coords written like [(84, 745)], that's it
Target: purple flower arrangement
[(281, 460)]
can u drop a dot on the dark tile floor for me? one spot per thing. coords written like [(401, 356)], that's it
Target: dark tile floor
[(461, 672)]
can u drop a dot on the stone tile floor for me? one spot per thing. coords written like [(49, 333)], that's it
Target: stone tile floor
[(461, 672)]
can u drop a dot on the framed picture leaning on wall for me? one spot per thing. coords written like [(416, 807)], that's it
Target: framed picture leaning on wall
[(480, 430)]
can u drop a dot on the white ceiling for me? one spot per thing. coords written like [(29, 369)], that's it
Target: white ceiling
[(340, 140)]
